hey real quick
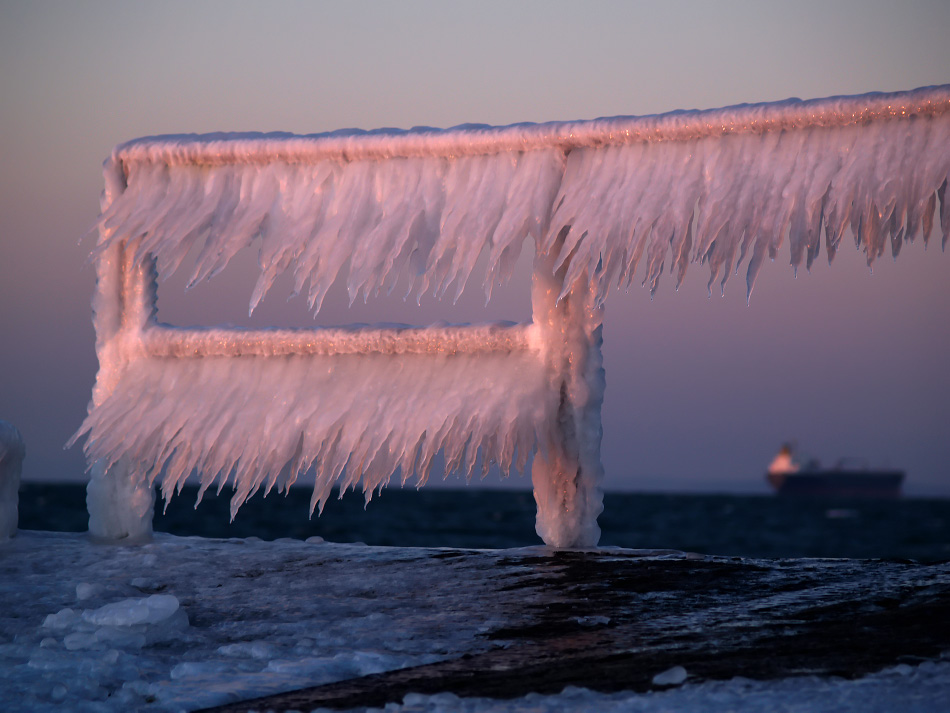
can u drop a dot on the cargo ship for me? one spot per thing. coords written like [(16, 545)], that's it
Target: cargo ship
[(849, 478)]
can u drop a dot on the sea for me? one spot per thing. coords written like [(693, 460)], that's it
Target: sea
[(760, 526)]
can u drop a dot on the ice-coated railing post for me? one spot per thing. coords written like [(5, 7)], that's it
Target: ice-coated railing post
[(12, 452), (120, 501), (567, 472)]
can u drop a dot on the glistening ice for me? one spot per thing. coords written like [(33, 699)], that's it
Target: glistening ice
[(599, 199)]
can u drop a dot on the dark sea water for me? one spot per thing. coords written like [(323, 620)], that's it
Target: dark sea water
[(740, 525)]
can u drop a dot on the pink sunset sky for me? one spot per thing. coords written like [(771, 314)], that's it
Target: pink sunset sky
[(700, 391)]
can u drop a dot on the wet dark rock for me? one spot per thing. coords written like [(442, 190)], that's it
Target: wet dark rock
[(613, 620)]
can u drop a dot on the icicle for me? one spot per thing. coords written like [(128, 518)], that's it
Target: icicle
[(255, 418), (427, 214)]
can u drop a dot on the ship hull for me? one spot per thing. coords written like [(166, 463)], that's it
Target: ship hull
[(840, 484)]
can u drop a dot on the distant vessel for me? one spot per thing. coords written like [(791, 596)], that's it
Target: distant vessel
[(848, 478)]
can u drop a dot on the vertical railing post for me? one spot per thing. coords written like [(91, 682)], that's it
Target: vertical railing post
[(120, 502), (567, 472), (12, 453)]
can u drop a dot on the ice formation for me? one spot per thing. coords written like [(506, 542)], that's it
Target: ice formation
[(134, 623), (598, 199), (709, 186), (353, 417), (12, 452)]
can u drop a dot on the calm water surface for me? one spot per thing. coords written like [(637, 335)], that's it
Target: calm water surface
[(740, 525)]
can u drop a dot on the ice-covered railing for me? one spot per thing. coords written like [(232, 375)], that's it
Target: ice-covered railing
[(421, 207)]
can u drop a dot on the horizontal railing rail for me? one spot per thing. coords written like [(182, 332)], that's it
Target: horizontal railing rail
[(468, 140), (166, 341)]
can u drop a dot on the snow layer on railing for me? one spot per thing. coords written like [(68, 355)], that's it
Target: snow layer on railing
[(715, 186), (353, 418)]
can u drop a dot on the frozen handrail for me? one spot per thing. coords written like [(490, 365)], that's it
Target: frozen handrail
[(476, 139), (719, 187), (596, 198)]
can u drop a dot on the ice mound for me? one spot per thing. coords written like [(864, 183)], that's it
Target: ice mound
[(156, 609), (129, 624), (671, 677), (249, 649)]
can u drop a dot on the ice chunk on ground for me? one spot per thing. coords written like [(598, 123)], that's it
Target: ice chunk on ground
[(128, 624), (63, 619), (249, 649), (671, 677), (192, 669), (156, 609), (85, 590)]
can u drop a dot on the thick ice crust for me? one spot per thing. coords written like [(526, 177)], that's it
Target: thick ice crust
[(356, 418), (710, 186)]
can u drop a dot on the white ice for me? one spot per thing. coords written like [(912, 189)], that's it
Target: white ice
[(358, 419), (598, 199), (671, 677)]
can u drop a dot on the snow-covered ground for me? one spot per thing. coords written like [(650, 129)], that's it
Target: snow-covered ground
[(184, 623), (924, 689)]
